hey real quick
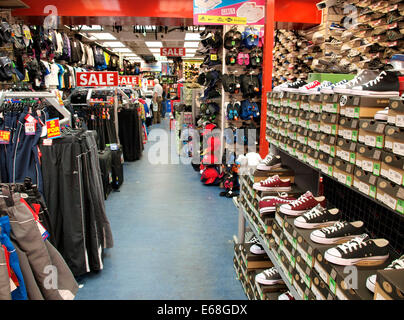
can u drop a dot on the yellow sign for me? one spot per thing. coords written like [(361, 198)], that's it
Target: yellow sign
[(221, 19)]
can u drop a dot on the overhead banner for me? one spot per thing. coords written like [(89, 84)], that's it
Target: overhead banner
[(97, 79), (221, 12), (129, 80), (172, 52)]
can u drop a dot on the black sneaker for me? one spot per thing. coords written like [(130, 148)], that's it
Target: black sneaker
[(361, 251), (339, 232), (270, 163), (318, 217), (395, 265), (294, 87), (269, 277), (256, 248), (386, 84)]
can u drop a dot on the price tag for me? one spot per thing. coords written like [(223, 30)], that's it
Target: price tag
[(363, 187), (398, 148), (367, 165), (391, 202), (400, 120), (379, 142), (27, 34), (354, 136), (388, 145), (370, 141), (395, 176), (213, 57), (349, 112), (30, 128), (372, 191), (53, 128), (349, 181), (342, 178), (5, 137), (400, 206), (333, 286)]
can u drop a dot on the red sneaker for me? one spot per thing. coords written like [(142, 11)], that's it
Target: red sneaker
[(273, 184), (270, 204), (305, 203)]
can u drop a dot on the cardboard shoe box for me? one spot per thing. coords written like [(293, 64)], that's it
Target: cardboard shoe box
[(326, 163), (327, 144), (394, 140), (368, 158), (365, 182), (348, 128), (391, 194), (284, 173), (301, 152), (389, 285), (362, 106), (284, 114), (315, 101), (329, 123), (292, 132), (344, 172), (295, 99), (294, 116), (312, 157), (291, 147), (304, 119), (392, 167), (302, 135), (396, 112), (320, 289), (346, 150), (315, 122), (304, 103), (283, 128), (371, 133), (313, 140), (331, 103)]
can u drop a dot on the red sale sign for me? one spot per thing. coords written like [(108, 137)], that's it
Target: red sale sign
[(97, 79), (129, 81), (172, 52)]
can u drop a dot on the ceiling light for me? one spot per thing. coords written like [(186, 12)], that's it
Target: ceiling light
[(191, 44), (122, 50), (103, 36), (154, 44), (114, 44), (192, 36), (155, 50)]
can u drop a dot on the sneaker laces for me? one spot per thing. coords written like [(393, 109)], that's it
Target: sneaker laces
[(270, 179), (353, 245), (302, 199), (267, 159), (271, 272), (254, 240), (334, 228), (314, 213), (375, 81)]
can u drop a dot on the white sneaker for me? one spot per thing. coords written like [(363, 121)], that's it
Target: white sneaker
[(382, 115), (310, 88)]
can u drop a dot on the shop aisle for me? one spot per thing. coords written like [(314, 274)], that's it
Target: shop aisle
[(173, 238)]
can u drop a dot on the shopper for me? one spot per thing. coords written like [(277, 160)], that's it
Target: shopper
[(157, 100)]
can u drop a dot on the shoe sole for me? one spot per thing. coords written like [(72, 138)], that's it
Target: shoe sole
[(376, 93), (371, 261), (370, 285), (343, 91), (267, 189), (305, 225), (268, 209), (292, 212), (269, 282), (381, 117), (268, 168), (325, 91), (256, 252), (338, 240)]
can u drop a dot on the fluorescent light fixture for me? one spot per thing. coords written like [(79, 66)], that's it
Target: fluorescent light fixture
[(103, 36), (123, 50), (154, 44), (190, 50), (192, 37), (155, 50), (114, 44), (191, 44)]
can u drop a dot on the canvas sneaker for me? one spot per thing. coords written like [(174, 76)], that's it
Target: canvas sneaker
[(295, 86), (269, 277), (396, 264), (324, 84), (361, 78), (330, 89), (385, 84), (339, 232), (268, 204), (361, 251), (256, 248), (270, 163), (318, 217), (280, 87), (286, 296), (382, 115), (310, 87), (303, 204), (273, 184)]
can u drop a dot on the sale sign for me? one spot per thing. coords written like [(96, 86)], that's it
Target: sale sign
[(4, 137), (129, 81), (222, 12), (97, 79), (53, 128), (172, 52)]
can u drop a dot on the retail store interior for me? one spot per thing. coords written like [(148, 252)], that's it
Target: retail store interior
[(148, 155)]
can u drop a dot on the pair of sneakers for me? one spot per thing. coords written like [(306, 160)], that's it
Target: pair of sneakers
[(243, 59), (233, 111)]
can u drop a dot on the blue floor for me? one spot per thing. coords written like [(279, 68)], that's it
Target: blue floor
[(173, 238)]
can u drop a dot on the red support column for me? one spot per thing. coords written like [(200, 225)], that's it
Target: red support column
[(267, 72)]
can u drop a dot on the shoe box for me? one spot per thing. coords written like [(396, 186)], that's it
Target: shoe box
[(294, 100), (315, 121), (327, 144), (284, 142), (302, 135), (391, 194), (365, 182), (255, 261), (304, 119), (291, 147), (372, 133), (292, 132), (344, 172), (392, 167), (283, 128), (299, 284), (294, 116), (303, 269), (283, 172), (330, 103), (326, 163), (348, 128), (305, 102), (320, 289), (394, 139), (361, 106), (313, 140), (346, 150), (315, 101), (368, 159), (284, 114), (329, 123), (286, 267), (301, 152), (312, 157), (389, 285), (396, 112), (270, 292)]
